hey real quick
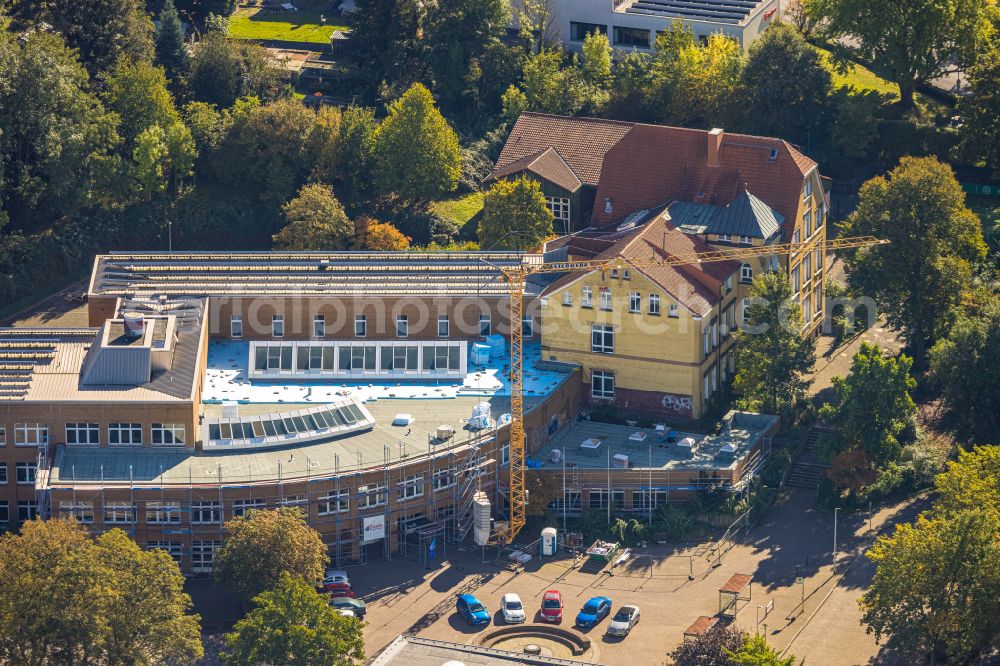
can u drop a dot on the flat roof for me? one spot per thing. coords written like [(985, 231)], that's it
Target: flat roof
[(651, 452), (156, 467), (356, 274), (416, 651)]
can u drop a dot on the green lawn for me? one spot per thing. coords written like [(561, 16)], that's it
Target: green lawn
[(459, 209), (859, 77), (299, 26)]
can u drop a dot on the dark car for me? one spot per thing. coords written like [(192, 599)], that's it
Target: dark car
[(356, 606), (593, 611), (472, 610)]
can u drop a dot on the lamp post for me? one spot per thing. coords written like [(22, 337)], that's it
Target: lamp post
[(835, 512)]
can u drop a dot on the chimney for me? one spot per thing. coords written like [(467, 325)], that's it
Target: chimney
[(714, 147)]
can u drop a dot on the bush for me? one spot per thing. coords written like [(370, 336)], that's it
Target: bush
[(672, 522)]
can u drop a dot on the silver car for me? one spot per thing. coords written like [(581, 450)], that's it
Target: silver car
[(623, 621)]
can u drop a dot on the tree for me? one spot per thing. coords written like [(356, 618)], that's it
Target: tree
[(381, 236), (595, 70), (162, 159), (919, 279), (771, 353), (970, 482), (223, 70), (980, 109), (705, 79), (756, 652), (292, 625), (137, 92), (103, 31), (551, 88), (57, 149), (514, 215), (263, 545), (171, 51), (416, 153), (357, 148), (873, 408), (316, 221), (801, 15), (631, 95), (714, 647), (909, 42), (936, 589), (964, 365), (66, 598), (785, 87)]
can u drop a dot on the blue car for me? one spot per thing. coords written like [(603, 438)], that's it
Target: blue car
[(472, 610), (593, 612)]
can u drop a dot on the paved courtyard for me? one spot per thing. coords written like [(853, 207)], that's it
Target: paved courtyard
[(795, 540)]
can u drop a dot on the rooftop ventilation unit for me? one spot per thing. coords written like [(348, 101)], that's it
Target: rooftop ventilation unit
[(134, 325)]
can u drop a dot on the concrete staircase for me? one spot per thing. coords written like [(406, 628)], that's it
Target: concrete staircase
[(806, 470)]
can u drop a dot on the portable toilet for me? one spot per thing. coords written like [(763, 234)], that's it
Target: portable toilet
[(549, 541)]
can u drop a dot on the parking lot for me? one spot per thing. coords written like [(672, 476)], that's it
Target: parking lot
[(794, 542)]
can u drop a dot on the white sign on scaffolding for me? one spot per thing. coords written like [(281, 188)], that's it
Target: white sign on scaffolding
[(373, 529)]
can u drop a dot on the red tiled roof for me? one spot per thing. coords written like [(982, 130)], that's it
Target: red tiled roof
[(547, 164), (652, 164), (696, 288), (582, 142)]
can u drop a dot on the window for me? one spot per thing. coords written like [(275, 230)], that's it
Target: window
[(602, 385), (203, 555), (725, 238), (410, 487), (602, 339), (614, 273), (205, 512), (333, 502), (746, 273), (818, 298), (319, 326), (371, 496), (30, 434), (277, 326), (599, 498), (402, 326), (27, 510), (807, 190), (235, 327), (443, 326), (443, 478), (567, 297), (704, 382), (3, 472), (654, 304), (795, 280), (119, 512), (672, 310), (631, 37), (4, 513), (818, 259), (587, 297), (83, 434), (796, 237), (729, 284), (807, 223), (168, 434), (807, 266), (163, 512), (707, 341), (3, 436), (173, 548), (83, 512), (579, 31), (645, 500), (485, 326), (360, 326), (625, 274), (634, 301), (26, 472), (527, 327), (605, 299), (505, 454), (746, 240), (559, 207), (125, 434), (725, 328), (806, 310), (744, 308), (240, 507)]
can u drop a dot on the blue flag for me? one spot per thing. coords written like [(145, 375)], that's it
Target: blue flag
[(432, 549)]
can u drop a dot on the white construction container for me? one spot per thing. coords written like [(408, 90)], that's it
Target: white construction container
[(481, 518)]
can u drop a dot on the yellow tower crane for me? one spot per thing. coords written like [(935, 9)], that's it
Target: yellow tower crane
[(515, 277)]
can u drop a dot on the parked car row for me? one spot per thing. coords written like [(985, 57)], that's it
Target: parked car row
[(337, 584), (593, 612)]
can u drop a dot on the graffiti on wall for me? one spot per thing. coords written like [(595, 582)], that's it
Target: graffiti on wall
[(677, 403)]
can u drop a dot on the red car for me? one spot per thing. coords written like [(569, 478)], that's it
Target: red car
[(552, 606), (337, 589)]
